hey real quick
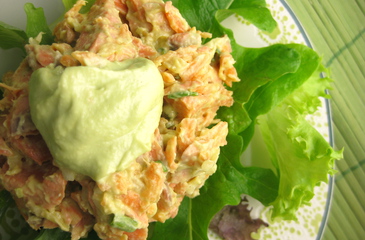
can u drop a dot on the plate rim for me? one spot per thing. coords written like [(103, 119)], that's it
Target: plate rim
[(331, 178), (326, 211)]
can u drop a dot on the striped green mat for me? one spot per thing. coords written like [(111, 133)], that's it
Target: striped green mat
[(336, 29)]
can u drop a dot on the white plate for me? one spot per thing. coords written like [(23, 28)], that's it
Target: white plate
[(312, 219)]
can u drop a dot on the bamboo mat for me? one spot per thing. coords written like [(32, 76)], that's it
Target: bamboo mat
[(336, 29)]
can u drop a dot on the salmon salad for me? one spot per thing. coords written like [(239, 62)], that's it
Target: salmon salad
[(185, 145)]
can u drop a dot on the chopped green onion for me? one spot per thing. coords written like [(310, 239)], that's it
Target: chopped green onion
[(162, 50), (170, 124), (124, 223), (164, 168), (180, 94)]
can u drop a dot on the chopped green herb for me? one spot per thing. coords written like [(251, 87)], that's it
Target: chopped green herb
[(162, 50), (164, 168), (180, 94), (124, 223), (170, 124)]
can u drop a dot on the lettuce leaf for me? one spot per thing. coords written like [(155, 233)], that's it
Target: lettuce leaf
[(36, 23), (279, 86), (8, 207), (302, 156), (266, 79), (68, 4), (254, 11), (58, 234), (12, 37), (257, 68), (207, 14), (268, 76), (224, 187), (5, 202), (269, 95)]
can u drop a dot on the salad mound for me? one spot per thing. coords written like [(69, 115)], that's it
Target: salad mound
[(216, 95), (185, 145)]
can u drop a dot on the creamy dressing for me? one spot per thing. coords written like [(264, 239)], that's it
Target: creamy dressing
[(95, 121)]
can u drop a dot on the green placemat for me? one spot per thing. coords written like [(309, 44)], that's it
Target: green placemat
[(336, 29)]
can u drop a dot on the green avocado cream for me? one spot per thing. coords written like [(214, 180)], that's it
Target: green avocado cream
[(95, 121)]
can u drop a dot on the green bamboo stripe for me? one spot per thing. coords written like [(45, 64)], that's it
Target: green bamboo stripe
[(340, 216), (355, 66), (351, 156), (361, 5), (358, 173), (353, 48), (343, 22), (329, 235), (340, 225), (352, 198), (353, 192), (346, 115), (345, 167), (336, 29), (340, 222), (356, 13), (346, 66), (348, 125), (359, 167), (349, 103)]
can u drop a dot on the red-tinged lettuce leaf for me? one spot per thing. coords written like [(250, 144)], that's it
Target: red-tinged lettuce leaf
[(274, 83), (268, 76), (222, 188), (234, 222), (231, 179), (226, 186)]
